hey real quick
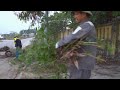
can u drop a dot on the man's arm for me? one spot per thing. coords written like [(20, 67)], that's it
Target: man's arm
[(79, 32)]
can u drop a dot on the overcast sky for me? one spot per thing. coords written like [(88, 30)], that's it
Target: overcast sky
[(9, 22)]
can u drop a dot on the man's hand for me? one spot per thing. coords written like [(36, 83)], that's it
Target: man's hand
[(56, 46), (69, 54)]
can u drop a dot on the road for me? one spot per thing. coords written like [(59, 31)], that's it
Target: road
[(10, 43)]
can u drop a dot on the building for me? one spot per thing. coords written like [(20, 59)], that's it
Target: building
[(1, 37), (28, 33)]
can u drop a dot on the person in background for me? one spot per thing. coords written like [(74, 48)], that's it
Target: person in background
[(18, 46)]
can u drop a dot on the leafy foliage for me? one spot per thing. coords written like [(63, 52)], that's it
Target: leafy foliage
[(101, 17), (43, 52), (42, 49), (30, 15)]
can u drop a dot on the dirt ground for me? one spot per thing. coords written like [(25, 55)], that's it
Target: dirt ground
[(8, 71), (106, 71)]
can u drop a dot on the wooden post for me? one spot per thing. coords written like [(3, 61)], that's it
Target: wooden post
[(117, 37)]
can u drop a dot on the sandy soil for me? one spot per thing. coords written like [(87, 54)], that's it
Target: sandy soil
[(9, 71)]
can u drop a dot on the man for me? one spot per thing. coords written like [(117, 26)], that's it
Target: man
[(85, 29), (18, 46)]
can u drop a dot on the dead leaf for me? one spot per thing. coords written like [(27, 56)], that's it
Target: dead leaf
[(76, 64)]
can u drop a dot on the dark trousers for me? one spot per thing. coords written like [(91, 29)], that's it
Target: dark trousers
[(18, 51), (74, 73), (80, 74)]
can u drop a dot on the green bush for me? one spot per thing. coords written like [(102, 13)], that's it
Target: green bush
[(42, 50)]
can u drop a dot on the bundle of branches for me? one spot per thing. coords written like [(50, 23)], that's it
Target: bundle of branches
[(68, 54)]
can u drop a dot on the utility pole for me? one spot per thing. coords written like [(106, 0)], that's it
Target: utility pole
[(46, 21), (46, 25)]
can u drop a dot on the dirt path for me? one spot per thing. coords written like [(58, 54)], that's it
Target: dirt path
[(11, 71), (8, 71), (106, 72)]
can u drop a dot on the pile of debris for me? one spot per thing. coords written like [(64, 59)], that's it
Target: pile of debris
[(5, 48), (7, 51)]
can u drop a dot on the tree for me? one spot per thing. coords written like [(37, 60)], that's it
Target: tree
[(62, 19), (104, 16), (29, 15)]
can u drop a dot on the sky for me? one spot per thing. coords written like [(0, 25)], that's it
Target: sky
[(10, 22)]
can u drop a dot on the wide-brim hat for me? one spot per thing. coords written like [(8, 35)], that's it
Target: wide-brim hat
[(88, 12)]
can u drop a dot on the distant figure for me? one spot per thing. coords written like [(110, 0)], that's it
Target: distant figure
[(18, 46)]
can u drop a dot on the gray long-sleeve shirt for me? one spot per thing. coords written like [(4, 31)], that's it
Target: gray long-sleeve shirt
[(86, 29)]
